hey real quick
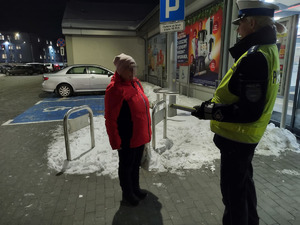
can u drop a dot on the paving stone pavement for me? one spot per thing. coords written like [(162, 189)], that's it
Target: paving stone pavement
[(32, 194)]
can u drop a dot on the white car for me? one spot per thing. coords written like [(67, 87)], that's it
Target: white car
[(49, 66), (77, 78)]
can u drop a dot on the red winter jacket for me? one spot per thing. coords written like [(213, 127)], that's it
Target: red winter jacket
[(127, 117)]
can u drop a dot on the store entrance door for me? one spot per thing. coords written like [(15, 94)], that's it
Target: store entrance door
[(284, 114)]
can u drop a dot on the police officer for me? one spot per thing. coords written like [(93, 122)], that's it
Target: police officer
[(242, 106)]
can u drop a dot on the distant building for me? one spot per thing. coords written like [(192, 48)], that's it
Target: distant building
[(26, 47)]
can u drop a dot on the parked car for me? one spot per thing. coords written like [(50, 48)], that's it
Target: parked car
[(56, 67), (38, 68), (49, 66), (63, 65), (3, 68), (77, 78), (20, 69)]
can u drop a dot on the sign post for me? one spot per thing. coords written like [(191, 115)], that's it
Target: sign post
[(62, 43), (172, 21), (62, 51)]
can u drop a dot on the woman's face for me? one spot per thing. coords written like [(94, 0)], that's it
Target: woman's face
[(128, 73)]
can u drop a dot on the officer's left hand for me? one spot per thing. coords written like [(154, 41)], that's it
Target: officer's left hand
[(199, 111)]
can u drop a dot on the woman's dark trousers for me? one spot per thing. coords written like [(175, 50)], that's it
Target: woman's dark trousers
[(237, 185), (129, 165)]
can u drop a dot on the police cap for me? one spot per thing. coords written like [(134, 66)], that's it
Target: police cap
[(254, 8)]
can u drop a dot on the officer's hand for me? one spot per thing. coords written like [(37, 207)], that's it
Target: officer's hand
[(199, 111)]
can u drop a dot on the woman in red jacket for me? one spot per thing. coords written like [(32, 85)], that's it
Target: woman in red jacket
[(128, 125)]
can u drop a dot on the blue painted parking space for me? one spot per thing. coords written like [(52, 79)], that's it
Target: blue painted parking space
[(54, 109)]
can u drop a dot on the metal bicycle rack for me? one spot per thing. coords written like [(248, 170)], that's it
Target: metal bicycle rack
[(158, 116), (170, 111), (76, 124)]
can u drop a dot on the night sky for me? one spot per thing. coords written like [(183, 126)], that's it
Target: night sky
[(44, 17)]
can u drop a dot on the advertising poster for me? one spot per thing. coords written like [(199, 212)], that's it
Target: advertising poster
[(157, 56), (183, 74), (182, 48), (203, 36), (282, 44)]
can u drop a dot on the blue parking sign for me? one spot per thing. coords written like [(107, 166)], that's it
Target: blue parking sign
[(171, 10)]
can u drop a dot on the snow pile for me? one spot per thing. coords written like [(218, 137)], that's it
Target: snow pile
[(189, 145), (288, 172), (277, 140)]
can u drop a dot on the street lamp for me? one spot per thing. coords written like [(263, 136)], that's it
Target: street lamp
[(17, 36)]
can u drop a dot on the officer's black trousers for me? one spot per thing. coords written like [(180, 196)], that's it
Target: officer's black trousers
[(129, 164), (237, 185)]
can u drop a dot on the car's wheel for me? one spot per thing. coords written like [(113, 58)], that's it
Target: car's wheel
[(7, 73), (64, 90)]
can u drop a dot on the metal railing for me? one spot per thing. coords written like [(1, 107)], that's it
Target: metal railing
[(170, 111), (157, 116), (75, 125)]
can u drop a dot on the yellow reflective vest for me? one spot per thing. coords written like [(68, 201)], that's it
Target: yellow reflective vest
[(248, 132)]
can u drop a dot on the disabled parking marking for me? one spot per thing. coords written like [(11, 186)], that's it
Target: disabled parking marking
[(54, 109)]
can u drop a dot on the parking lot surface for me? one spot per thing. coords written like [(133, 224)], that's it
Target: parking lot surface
[(31, 193), (54, 108)]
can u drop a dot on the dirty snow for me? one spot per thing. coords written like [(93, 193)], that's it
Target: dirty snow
[(189, 145)]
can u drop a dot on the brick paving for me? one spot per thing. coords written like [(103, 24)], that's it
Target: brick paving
[(32, 194)]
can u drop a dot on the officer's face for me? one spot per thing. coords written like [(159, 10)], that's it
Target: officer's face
[(246, 27)]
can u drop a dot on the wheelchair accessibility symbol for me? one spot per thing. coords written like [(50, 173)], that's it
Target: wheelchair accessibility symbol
[(53, 109), (56, 108)]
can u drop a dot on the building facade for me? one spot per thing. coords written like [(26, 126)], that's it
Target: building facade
[(26, 47)]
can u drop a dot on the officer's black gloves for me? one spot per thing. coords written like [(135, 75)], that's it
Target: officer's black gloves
[(199, 111), (208, 111)]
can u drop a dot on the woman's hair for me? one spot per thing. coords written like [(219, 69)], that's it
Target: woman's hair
[(262, 21)]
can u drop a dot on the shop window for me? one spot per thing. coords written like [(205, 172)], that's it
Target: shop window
[(10, 47), (18, 47), (2, 37), (20, 56), (52, 57), (4, 56)]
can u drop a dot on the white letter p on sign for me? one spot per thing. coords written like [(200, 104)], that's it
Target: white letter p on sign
[(171, 8)]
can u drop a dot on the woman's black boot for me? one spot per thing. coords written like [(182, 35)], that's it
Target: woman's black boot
[(140, 194), (129, 200)]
